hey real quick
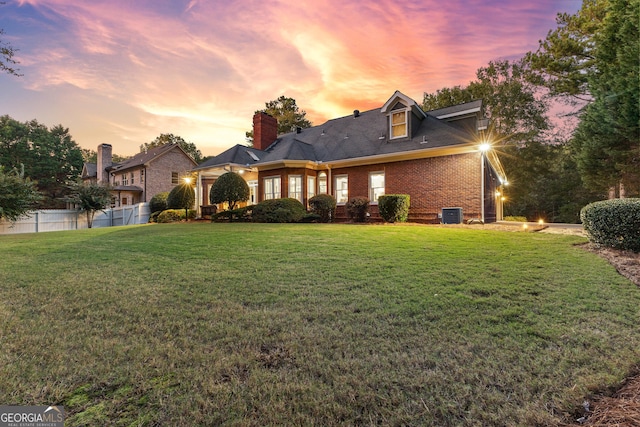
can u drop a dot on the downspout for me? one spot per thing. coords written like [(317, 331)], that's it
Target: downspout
[(199, 196)]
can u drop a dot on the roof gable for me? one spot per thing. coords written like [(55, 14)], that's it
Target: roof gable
[(149, 156)]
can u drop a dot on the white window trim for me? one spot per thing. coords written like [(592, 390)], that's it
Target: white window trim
[(406, 124), (301, 192), (271, 178), (384, 188), (336, 189)]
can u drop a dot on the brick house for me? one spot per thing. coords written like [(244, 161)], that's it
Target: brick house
[(138, 179), (438, 158)]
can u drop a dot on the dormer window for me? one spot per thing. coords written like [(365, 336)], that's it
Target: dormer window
[(403, 115), (399, 124)]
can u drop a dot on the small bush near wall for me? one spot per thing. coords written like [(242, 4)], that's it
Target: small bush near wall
[(323, 205), (516, 218), (240, 215), (158, 203), (613, 223), (357, 208), (394, 207), (278, 210), (174, 215)]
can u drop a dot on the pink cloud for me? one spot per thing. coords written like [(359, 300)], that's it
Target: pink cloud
[(200, 69)]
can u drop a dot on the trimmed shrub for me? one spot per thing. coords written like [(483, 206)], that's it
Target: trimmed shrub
[(240, 214), (230, 188), (613, 223), (278, 210), (516, 218), (394, 207), (323, 205), (357, 208), (154, 216), (181, 197), (173, 215), (158, 203)]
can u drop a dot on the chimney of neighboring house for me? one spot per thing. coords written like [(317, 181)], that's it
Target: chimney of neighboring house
[(105, 160), (265, 130)]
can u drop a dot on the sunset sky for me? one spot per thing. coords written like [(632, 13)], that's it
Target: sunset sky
[(123, 72)]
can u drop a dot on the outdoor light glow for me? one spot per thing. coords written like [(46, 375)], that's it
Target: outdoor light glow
[(541, 221), (525, 226), (484, 147), (498, 194), (187, 180)]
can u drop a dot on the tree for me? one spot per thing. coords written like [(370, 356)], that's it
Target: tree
[(91, 156), (510, 101), (90, 198), (593, 57), (287, 113), (7, 52), (540, 169), (182, 196), (18, 195), (169, 138), (50, 156), (230, 188)]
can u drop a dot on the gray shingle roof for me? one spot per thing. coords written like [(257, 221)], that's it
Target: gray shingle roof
[(144, 157), (349, 137)]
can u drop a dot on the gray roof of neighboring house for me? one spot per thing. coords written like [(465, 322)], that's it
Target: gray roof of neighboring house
[(145, 157), (350, 137), (132, 188), (90, 170)]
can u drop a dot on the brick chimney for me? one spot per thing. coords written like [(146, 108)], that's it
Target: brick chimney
[(105, 160), (265, 130)]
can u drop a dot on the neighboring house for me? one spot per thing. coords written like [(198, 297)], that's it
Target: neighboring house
[(144, 175), (436, 158)]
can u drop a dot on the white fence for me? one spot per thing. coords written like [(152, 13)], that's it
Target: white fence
[(62, 219)]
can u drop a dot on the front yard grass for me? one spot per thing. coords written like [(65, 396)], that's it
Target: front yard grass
[(317, 324)]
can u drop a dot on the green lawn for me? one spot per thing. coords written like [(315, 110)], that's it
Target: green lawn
[(255, 324)]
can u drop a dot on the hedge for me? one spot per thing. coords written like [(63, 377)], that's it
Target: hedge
[(323, 205), (357, 208), (278, 210), (613, 223), (174, 215), (158, 203), (394, 207)]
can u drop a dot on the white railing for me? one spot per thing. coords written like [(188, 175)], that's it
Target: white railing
[(63, 219)]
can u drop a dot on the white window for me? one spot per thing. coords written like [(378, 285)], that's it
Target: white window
[(132, 179), (125, 181), (142, 176), (253, 192), (376, 186), (399, 124), (295, 187), (174, 177), (341, 188), (322, 183), (311, 187), (272, 187)]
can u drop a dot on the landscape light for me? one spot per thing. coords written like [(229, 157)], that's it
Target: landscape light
[(484, 147)]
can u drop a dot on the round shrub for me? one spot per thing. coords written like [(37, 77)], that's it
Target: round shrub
[(394, 207), (323, 205), (278, 210), (181, 197), (613, 223), (357, 208), (230, 188), (158, 203)]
